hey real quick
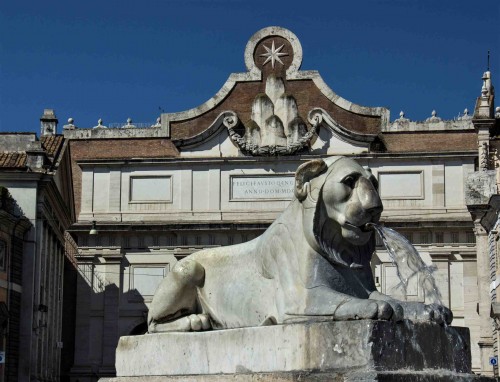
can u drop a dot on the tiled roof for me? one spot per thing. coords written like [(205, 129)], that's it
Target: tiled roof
[(52, 144), (12, 160)]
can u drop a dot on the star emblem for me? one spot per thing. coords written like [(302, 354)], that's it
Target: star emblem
[(273, 54)]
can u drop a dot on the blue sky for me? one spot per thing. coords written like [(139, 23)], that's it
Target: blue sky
[(116, 59)]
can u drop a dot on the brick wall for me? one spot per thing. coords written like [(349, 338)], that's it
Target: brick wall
[(305, 92)]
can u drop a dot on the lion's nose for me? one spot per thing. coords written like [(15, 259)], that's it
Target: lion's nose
[(368, 196)]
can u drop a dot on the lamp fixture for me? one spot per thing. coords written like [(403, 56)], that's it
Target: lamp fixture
[(93, 230)]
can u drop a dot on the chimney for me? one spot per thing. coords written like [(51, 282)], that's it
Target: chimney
[(48, 123)]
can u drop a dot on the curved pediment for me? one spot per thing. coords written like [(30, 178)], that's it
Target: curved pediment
[(272, 102)]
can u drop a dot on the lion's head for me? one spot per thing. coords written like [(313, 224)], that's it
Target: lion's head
[(340, 197)]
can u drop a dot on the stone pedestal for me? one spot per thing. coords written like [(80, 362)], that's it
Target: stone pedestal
[(321, 351)]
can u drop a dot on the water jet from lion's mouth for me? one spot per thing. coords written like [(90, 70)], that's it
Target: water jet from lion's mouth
[(408, 262)]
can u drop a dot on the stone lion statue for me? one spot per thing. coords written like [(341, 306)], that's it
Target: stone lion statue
[(311, 264)]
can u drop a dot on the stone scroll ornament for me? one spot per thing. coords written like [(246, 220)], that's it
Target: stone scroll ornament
[(311, 264), (275, 127)]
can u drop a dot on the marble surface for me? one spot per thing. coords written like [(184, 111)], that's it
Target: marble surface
[(347, 349)]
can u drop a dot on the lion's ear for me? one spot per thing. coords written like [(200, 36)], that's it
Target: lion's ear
[(304, 174)]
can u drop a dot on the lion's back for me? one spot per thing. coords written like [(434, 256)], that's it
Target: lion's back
[(234, 283)]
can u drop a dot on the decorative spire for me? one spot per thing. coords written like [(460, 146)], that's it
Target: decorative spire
[(402, 117), (484, 104), (100, 125), (433, 117), (158, 122), (129, 124), (465, 116), (70, 125)]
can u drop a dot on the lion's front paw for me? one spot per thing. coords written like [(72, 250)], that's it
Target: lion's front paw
[(358, 309), (440, 314), (432, 312)]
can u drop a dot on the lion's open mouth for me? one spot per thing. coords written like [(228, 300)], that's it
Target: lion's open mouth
[(367, 227)]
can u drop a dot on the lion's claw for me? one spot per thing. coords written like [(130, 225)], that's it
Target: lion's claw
[(385, 310), (364, 309), (417, 311)]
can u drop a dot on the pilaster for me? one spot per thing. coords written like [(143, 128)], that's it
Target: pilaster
[(483, 283), (113, 265)]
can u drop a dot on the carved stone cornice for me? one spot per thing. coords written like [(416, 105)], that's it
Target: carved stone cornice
[(225, 119), (318, 116)]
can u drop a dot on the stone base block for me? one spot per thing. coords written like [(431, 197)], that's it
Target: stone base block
[(322, 351)]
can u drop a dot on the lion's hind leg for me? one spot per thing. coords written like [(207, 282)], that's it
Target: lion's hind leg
[(174, 306)]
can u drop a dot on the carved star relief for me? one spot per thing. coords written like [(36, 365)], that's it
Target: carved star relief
[(273, 54)]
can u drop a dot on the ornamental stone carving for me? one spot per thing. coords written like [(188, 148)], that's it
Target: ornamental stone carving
[(275, 127)]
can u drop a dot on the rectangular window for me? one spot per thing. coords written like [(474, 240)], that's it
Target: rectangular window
[(83, 241), (471, 238), (171, 241), (424, 238), (150, 189), (455, 237), (409, 236), (156, 241), (439, 237)]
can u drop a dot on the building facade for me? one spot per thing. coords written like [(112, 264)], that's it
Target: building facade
[(36, 173), (13, 227), (220, 173)]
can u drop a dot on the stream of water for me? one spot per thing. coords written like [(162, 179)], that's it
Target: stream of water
[(409, 264)]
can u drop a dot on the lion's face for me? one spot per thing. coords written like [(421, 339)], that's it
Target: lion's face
[(350, 198)]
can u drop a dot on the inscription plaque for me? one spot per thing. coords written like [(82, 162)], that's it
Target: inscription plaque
[(279, 187)]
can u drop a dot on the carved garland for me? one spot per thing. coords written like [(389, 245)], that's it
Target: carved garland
[(270, 150)]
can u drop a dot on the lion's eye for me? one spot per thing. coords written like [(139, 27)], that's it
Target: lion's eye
[(350, 180)]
